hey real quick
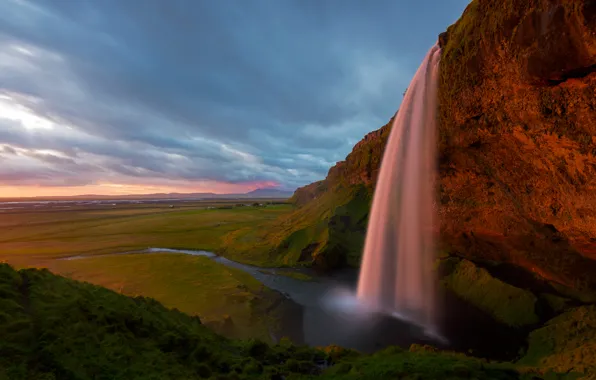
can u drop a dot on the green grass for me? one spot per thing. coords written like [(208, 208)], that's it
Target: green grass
[(55, 328), (195, 285), (29, 238), (328, 231), (506, 303), (567, 343), (395, 363), (52, 327), (291, 274)]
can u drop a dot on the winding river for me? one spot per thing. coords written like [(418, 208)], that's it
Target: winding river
[(306, 317)]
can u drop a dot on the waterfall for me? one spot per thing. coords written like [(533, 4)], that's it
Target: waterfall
[(396, 275)]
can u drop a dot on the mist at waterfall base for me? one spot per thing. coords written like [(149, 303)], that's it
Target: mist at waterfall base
[(396, 277)]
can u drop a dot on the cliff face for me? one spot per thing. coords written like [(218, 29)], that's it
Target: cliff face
[(518, 136), (328, 228), (361, 167), (517, 139)]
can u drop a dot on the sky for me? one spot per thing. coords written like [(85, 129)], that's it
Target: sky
[(145, 96)]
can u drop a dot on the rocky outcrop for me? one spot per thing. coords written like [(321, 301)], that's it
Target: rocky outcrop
[(361, 167), (518, 137), (307, 193), (565, 344), (504, 302), (327, 230)]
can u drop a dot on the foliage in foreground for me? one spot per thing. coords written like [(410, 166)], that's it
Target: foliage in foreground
[(53, 327), (226, 299), (56, 328)]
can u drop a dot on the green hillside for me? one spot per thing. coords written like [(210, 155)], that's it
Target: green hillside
[(52, 327)]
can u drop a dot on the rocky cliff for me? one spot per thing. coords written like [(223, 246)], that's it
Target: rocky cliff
[(329, 225), (518, 136), (361, 167), (517, 143)]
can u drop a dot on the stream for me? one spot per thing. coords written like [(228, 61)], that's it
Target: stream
[(307, 317)]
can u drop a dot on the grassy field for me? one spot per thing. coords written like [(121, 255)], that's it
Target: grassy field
[(195, 285), (192, 284), (29, 238)]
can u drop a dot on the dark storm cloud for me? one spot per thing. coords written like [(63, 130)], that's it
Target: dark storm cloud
[(230, 90)]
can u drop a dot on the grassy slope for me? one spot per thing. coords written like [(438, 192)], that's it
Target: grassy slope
[(72, 330), (56, 328), (195, 285), (318, 224)]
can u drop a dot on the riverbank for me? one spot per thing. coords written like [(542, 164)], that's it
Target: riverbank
[(307, 317), (60, 328)]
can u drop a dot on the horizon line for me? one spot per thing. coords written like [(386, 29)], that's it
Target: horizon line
[(141, 195)]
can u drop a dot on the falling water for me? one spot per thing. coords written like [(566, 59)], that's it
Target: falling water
[(396, 275)]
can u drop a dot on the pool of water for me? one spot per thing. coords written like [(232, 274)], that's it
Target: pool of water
[(310, 315)]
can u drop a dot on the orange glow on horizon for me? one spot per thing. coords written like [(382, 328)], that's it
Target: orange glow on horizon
[(130, 189)]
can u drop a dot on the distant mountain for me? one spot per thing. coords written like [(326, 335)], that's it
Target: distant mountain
[(258, 193), (269, 193)]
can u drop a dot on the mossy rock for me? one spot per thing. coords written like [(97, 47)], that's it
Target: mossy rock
[(584, 296), (507, 304), (566, 343), (556, 303)]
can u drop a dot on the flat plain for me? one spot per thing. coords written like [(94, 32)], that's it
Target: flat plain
[(45, 237)]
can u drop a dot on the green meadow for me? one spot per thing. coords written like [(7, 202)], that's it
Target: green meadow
[(30, 238), (194, 285)]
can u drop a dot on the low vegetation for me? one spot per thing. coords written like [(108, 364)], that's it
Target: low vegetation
[(328, 232), (55, 328), (31, 238), (192, 284), (52, 327), (229, 300)]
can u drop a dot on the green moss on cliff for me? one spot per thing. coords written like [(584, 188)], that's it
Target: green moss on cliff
[(506, 303), (347, 227), (332, 232), (555, 303), (462, 46), (327, 232), (566, 343), (327, 228)]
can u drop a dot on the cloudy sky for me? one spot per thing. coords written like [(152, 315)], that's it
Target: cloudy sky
[(140, 96)]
